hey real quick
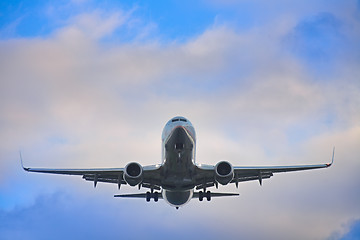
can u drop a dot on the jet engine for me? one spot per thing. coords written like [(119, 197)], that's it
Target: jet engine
[(133, 174), (224, 172)]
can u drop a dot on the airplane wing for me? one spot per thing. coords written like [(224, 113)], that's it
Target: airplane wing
[(109, 175), (242, 174), (206, 173)]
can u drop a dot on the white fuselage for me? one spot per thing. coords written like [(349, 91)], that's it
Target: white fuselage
[(178, 161)]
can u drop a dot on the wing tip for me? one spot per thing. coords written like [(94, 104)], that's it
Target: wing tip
[(332, 159), (22, 163)]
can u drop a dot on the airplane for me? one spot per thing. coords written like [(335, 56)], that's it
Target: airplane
[(178, 178)]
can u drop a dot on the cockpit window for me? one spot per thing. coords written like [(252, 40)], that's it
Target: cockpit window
[(178, 119)]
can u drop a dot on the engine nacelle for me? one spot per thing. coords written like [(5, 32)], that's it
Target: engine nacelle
[(133, 174), (224, 172)]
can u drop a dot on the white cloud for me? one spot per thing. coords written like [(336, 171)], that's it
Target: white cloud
[(87, 27), (71, 100)]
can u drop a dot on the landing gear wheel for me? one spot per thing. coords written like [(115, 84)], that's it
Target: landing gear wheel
[(208, 195), (156, 196), (148, 196), (201, 196)]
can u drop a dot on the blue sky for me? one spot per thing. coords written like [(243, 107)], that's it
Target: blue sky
[(92, 83)]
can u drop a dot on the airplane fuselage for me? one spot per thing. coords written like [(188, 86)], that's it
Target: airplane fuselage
[(178, 161)]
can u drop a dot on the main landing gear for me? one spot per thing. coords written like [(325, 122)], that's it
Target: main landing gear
[(204, 194), (150, 195)]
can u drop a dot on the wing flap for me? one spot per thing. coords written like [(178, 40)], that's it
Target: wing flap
[(104, 178)]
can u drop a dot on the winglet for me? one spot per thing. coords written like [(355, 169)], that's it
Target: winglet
[(22, 165), (332, 159)]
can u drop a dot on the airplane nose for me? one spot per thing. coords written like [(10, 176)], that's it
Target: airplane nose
[(179, 130)]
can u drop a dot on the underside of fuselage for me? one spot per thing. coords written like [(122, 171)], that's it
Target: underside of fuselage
[(178, 166)]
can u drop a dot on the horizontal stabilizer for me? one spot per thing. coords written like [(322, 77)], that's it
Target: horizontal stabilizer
[(195, 195), (216, 194), (137, 195)]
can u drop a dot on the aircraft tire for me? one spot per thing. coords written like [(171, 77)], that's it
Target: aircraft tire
[(201, 196), (208, 195), (156, 196)]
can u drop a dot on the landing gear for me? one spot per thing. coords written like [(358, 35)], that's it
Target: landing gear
[(154, 195), (208, 196), (203, 195)]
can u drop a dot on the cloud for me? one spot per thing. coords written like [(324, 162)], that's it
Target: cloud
[(73, 99), (350, 231), (354, 231), (318, 41), (60, 216), (94, 25)]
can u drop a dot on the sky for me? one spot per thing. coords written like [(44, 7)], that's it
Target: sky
[(90, 84)]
